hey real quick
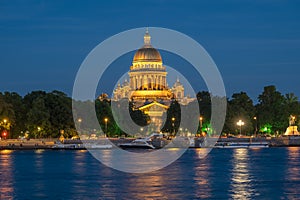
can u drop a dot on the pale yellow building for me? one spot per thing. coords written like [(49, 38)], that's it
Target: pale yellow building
[(147, 87), (148, 79)]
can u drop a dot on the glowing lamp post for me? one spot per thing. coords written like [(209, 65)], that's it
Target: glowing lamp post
[(173, 125), (201, 120), (39, 131), (256, 129), (105, 120), (79, 120), (5, 133), (240, 123)]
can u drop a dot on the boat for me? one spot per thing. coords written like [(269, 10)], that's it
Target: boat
[(142, 143), (80, 146), (98, 146), (232, 145), (60, 145)]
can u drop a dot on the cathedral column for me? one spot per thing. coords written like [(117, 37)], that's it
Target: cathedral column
[(133, 82), (145, 81), (160, 82), (152, 82), (136, 82), (140, 81)]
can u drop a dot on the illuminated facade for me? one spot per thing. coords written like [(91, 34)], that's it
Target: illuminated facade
[(148, 78), (147, 86)]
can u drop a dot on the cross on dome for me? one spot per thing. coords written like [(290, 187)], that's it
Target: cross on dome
[(147, 38)]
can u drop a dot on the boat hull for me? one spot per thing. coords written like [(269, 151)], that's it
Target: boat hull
[(241, 145), (130, 146)]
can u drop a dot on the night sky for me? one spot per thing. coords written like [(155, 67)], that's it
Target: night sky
[(254, 44)]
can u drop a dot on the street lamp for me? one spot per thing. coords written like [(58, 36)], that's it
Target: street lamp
[(5, 133), (79, 120), (256, 129), (200, 119), (105, 120), (240, 123), (39, 131), (173, 125)]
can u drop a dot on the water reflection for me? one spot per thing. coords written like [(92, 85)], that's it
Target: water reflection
[(79, 163), (241, 187), (202, 175), (39, 167), (166, 183), (79, 171), (108, 184), (147, 186), (139, 162), (6, 174), (292, 173)]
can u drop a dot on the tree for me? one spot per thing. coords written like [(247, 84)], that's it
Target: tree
[(292, 104), (173, 118), (16, 101), (38, 119), (7, 115), (240, 107), (60, 110), (104, 111), (204, 100), (271, 110)]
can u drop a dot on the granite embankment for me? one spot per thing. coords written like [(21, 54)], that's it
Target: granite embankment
[(16, 144)]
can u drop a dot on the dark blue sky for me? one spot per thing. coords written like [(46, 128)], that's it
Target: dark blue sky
[(254, 44)]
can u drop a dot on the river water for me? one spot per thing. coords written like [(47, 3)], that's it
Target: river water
[(272, 173)]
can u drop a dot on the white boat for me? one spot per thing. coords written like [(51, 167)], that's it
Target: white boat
[(98, 146), (60, 145), (138, 144), (253, 145)]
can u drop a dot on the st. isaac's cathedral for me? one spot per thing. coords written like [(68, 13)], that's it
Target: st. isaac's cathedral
[(147, 86)]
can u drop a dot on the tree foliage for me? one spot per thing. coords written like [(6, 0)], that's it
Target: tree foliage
[(46, 114)]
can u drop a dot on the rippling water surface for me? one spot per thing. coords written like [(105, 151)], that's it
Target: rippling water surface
[(272, 173)]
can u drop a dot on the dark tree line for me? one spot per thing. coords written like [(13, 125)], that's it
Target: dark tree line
[(38, 114), (41, 114), (270, 116)]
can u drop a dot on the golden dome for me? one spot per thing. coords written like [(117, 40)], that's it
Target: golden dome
[(147, 53)]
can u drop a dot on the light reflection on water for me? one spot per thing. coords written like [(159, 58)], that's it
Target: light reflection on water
[(202, 176), (149, 186), (39, 168), (272, 173), (292, 172), (241, 186), (6, 176)]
